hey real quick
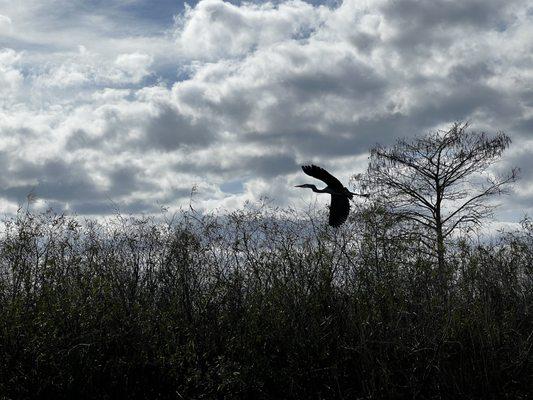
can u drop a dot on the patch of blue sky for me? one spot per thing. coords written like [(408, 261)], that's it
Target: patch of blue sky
[(502, 25), (233, 187), (158, 13)]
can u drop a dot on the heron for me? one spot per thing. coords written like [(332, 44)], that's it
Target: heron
[(340, 196)]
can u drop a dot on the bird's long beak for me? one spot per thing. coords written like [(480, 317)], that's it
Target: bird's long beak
[(299, 186)]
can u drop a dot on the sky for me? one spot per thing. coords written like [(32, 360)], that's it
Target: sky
[(129, 104)]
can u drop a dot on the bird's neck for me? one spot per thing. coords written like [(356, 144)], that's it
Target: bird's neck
[(344, 192), (326, 190)]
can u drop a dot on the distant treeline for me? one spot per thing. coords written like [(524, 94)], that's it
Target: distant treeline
[(261, 304)]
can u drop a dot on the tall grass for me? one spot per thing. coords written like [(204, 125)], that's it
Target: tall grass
[(259, 304)]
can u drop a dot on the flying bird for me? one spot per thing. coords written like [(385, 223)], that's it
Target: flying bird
[(340, 195)]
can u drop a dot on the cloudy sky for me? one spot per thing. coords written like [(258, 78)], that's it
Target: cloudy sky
[(131, 103)]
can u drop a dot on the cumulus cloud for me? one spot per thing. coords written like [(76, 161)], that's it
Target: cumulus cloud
[(134, 66), (216, 29), (91, 69), (10, 77), (235, 96)]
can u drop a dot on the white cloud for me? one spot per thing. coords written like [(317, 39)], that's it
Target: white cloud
[(65, 75), (133, 67), (216, 29), (10, 76), (90, 68)]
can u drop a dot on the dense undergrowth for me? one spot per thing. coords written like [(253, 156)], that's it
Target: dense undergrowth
[(260, 304)]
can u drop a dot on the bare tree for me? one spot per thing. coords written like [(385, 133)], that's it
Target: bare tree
[(440, 181)]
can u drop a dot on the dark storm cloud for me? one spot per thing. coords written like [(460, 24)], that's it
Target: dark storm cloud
[(465, 74), (80, 139), (339, 139), (264, 166), (270, 166), (59, 182), (166, 130), (128, 179), (426, 14), (524, 127), (364, 41), (461, 102), (107, 207), (47, 189), (53, 180), (454, 102), (422, 24), (170, 130), (349, 79)]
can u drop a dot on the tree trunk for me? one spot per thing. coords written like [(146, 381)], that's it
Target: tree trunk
[(442, 277), (441, 250)]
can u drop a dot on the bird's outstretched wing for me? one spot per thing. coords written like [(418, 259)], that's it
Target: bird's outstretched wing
[(323, 175), (338, 210)]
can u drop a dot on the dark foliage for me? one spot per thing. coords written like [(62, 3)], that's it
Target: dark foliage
[(259, 304)]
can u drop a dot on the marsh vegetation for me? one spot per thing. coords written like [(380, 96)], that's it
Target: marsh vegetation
[(262, 304)]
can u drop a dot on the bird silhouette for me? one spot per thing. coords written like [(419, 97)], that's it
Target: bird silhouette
[(340, 196)]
